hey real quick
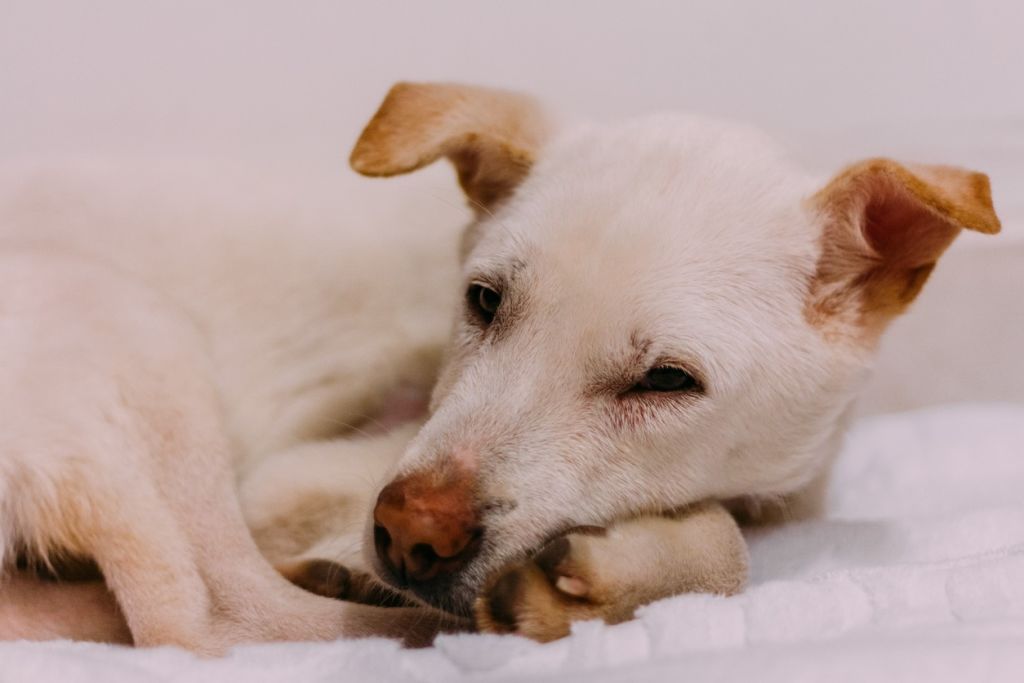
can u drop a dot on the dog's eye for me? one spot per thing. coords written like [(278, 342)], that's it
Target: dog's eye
[(483, 301), (667, 378)]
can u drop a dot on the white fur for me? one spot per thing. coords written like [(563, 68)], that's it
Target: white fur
[(162, 324), (693, 234), (286, 323)]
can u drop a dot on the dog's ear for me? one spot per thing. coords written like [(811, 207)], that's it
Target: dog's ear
[(885, 226), (491, 136)]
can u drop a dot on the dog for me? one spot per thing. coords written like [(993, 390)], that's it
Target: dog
[(660, 327)]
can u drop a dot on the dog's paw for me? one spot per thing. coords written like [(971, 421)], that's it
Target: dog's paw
[(322, 577), (563, 583), (333, 580)]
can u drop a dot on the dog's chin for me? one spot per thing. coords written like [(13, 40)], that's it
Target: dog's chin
[(456, 594), (457, 600), (453, 595)]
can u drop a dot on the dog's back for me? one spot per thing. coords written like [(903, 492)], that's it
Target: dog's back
[(154, 330), (269, 268)]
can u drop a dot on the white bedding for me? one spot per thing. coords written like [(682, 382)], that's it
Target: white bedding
[(916, 574)]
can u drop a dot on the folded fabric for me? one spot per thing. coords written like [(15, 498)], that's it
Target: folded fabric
[(915, 573)]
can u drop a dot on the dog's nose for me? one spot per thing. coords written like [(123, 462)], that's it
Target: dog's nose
[(426, 526)]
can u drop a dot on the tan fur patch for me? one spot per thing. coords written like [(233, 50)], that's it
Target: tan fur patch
[(491, 136), (586, 575), (885, 226)]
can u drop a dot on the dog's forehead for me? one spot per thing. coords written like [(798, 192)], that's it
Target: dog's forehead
[(657, 182), (671, 207)]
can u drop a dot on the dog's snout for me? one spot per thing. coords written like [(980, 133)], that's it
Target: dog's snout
[(426, 527)]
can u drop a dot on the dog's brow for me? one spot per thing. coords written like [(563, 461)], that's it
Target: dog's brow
[(640, 346), (624, 369), (499, 273)]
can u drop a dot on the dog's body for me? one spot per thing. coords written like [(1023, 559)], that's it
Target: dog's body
[(146, 360), (658, 317)]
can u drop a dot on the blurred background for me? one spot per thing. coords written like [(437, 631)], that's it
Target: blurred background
[(293, 81), (288, 85)]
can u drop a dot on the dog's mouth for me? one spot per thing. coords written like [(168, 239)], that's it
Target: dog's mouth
[(453, 594), (457, 593)]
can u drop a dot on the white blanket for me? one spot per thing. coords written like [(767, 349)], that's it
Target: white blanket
[(916, 574)]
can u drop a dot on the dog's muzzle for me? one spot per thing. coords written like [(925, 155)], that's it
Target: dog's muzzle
[(426, 529)]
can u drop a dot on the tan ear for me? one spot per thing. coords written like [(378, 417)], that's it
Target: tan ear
[(886, 225), (491, 136)]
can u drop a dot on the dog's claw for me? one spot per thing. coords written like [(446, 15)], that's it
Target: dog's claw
[(554, 561), (571, 585), (543, 596)]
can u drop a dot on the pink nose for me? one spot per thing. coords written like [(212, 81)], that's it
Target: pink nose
[(426, 526)]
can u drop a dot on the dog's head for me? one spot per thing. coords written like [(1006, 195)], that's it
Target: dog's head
[(655, 313)]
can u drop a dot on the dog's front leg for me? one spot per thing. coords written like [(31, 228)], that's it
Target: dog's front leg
[(244, 598), (608, 573)]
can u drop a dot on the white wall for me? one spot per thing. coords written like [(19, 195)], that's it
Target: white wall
[(293, 80), (290, 83), (282, 82)]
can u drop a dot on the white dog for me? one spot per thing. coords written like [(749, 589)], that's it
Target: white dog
[(655, 320)]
